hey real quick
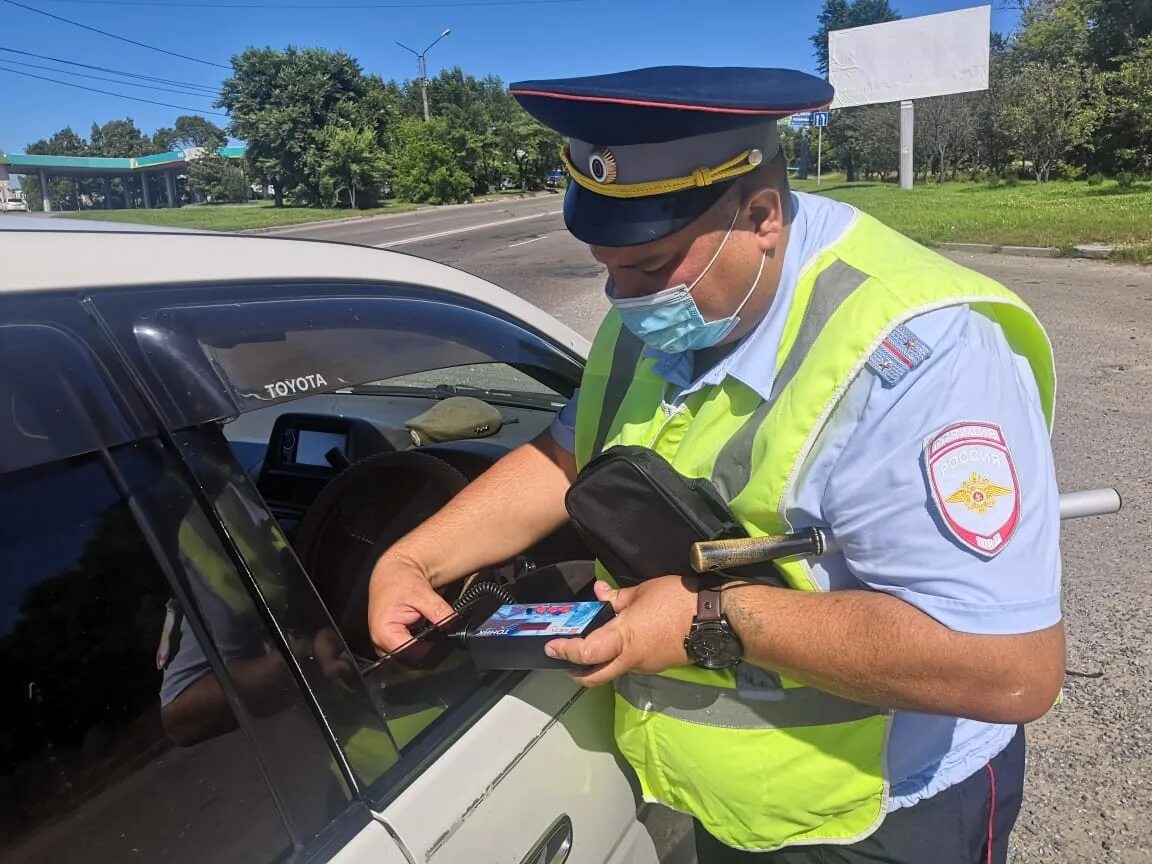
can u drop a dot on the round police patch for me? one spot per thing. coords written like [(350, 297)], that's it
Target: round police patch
[(974, 485)]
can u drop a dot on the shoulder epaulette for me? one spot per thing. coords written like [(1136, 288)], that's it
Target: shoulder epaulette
[(899, 353)]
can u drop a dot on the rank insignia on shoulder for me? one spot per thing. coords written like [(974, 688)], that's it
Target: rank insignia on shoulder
[(899, 353)]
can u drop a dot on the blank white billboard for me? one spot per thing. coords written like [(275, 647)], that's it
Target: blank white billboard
[(915, 58)]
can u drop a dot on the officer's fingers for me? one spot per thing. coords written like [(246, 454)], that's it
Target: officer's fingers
[(601, 674), (389, 636), (602, 646), (618, 597), (431, 605)]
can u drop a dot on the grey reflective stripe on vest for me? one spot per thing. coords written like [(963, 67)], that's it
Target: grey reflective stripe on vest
[(625, 355), (733, 466), (718, 706)]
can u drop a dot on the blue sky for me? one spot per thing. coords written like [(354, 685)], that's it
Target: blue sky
[(513, 41)]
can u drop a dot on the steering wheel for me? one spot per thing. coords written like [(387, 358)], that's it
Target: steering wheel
[(357, 517)]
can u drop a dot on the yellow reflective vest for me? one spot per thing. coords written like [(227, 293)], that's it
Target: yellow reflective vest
[(805, 766)]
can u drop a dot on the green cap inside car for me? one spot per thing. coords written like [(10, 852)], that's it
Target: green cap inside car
[(454, 418)]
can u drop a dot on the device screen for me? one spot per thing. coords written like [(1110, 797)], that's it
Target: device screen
[(541, 619), (311, 446)]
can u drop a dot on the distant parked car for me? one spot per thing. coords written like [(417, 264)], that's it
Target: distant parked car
[(12, 201)]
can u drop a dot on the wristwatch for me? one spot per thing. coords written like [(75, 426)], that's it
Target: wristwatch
[(711, 643)]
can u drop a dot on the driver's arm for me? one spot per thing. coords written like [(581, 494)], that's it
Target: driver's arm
[(513, 505)]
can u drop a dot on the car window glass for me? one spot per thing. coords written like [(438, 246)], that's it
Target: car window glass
[(354, 712), (478, 376), (215, 360), (97, 763), (54, 402), (409, 712)]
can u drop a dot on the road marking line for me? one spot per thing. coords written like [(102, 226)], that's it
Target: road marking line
[(526, 242), (452, 231), (401, 225)]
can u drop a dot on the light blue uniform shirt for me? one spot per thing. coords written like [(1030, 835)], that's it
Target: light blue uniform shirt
[(866, 481)]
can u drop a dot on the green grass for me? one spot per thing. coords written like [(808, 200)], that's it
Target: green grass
[(232, 217), (1057, 214)]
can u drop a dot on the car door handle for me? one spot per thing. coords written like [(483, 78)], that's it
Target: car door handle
[(554, 846)]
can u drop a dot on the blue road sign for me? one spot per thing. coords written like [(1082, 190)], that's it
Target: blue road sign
[(820, 118), (801, 120)]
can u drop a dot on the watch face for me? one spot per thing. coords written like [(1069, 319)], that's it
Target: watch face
[(713, 647)]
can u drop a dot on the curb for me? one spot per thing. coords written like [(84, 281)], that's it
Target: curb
[(1090, 251)]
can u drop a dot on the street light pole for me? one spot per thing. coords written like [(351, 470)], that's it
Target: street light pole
[(422, 68)]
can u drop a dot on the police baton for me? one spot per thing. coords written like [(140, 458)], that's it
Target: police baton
[(710, 555)]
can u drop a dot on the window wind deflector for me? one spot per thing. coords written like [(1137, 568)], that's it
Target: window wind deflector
[(54, 399), (221, 360)]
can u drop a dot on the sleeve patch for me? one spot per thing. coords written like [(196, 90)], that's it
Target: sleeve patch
[(974, 485), (899, 353)]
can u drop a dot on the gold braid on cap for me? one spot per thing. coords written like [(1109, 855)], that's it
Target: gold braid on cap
[(742, 164)]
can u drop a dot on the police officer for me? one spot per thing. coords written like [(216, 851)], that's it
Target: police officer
[(822, 370)]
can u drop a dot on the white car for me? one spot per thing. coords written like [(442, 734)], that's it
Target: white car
[(204, 447), (12, 201)]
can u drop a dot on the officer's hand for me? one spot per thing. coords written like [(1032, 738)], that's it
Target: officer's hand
[(647, 634), (398, 597)]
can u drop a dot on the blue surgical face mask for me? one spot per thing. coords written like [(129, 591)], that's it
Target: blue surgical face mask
[(670, 321)]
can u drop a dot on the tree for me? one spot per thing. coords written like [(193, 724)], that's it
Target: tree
[(164, 139), (841, 14), (353, 162), (191, 130), (119, 139), (426, 169), (1101, 39), (944, 125), (64, 192), (878, 128), (278, 100), (1053, 32), (990, 145), (379, 109), (216, 180), (1044, 113), (865, 140), (1116, 30), (1122, 139)]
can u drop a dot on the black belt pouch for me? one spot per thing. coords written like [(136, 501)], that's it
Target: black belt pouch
[(639, 517)]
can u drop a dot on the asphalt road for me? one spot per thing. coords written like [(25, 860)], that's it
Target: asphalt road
[(519, 244), (1089, 789)]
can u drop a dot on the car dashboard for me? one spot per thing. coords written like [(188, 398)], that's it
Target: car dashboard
[(292, 450), (342, 477)]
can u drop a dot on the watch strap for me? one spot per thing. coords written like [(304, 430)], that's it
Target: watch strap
[(708, 605)]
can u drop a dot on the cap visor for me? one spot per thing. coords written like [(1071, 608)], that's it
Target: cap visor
[(602, 221)]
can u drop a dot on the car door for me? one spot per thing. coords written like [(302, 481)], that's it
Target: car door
[(498, 766), (137, 724)]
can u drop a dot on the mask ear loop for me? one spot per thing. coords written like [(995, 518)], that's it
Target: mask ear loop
[(755, 285), (719, 249)]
